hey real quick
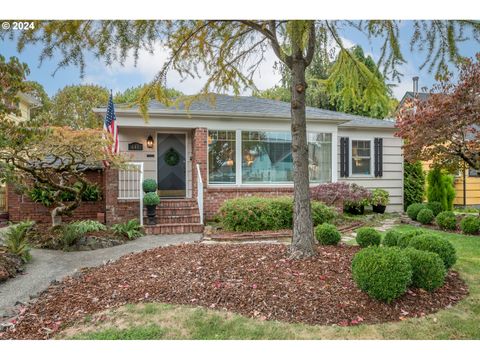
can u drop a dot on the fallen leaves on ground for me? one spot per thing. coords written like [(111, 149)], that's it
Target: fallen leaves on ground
[(257, 281)]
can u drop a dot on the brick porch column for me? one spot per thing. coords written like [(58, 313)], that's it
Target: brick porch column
[(111, 195), (199, 156)]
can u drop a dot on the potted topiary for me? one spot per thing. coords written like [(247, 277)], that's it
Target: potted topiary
[(151, 200), (380, 200), (149, 185)]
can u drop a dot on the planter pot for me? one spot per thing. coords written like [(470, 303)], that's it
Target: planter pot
[(379, 209), (354, 210), (151, 214)]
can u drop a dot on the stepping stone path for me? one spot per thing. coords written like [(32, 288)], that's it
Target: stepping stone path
[(386, 225)]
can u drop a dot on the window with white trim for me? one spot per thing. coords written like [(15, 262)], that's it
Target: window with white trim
[(221, 157), (361, 157), (265, 157)]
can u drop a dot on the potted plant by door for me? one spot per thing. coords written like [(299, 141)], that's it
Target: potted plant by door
[(151, 200), (380, 199)]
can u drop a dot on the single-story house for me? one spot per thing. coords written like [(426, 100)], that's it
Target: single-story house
[(241, 146)]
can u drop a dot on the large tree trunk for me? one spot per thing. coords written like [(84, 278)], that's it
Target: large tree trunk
[(303, 238)]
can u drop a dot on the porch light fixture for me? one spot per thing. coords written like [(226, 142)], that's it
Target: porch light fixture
[(229, 162), (150, 141)]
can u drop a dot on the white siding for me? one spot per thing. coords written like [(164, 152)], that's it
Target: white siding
[(392, 179)]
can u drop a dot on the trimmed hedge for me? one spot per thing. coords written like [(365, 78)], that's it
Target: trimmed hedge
[(257, 213), (428, 270), (470, 224), (391, 238), (367, 236), (446, 220), (425, 216), (405, 238), (436, 207), (327, 234), (414, 209), (384, 273), (436, 244)]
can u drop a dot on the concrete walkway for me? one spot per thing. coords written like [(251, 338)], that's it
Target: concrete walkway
[(49, 265)]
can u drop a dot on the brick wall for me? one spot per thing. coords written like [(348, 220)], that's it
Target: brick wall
[(21, 207)]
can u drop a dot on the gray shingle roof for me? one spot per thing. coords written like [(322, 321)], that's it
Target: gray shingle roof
[(251, 105)]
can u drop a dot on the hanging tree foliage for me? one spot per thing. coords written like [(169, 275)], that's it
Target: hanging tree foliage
[(227, 54)]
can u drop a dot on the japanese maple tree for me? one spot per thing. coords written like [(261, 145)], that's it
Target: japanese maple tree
[(445, 128)]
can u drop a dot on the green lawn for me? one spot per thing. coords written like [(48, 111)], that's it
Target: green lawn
[(162, 321)]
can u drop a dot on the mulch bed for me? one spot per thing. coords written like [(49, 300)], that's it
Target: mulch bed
[(257, 281), (222, 235)]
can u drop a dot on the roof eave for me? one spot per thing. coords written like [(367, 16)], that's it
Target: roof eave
[(210, 115)]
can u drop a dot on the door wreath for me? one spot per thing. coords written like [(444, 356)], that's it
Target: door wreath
[(171, 157)]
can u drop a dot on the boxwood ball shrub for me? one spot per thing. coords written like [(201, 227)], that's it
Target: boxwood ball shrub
[(425, 216), (435, 206), (414, 209), (470, 224), (151, 199), (391, 238), (367, 236), (428, 270), (405, 238), (384, 273), (149, 185), (327, 234), (436, 244), (446, 220)]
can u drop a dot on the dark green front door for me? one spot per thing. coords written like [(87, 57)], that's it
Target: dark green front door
[(171, 165)]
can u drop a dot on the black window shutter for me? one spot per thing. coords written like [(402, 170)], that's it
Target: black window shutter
[(347, 152), (378, 157), (344, 156)]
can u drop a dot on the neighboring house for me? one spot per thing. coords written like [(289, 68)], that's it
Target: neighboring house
[(26, 103), (467, 181), (241, 146)]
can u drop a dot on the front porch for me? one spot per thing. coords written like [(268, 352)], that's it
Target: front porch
[(175, 159)]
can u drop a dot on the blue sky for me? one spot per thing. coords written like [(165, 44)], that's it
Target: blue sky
[(118, 78)]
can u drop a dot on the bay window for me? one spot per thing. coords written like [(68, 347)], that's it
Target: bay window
[(264, 157)]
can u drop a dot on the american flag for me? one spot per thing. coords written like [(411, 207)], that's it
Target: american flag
[(110, 125)]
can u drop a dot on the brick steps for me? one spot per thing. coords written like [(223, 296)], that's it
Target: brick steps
[(173, 228), (176, 216)]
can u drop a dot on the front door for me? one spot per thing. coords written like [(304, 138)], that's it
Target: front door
[(171, 165)]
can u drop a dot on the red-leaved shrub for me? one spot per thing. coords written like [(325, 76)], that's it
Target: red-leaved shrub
[(341, 193)]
